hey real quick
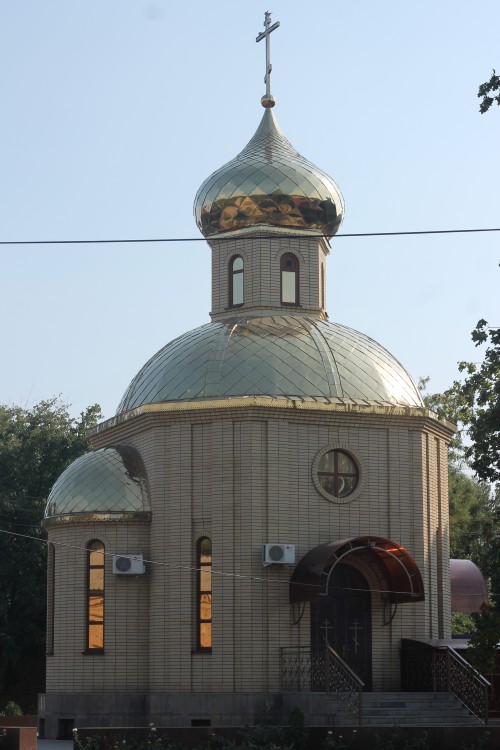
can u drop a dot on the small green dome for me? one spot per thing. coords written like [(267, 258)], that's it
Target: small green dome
[(269, 184), (109, 481)]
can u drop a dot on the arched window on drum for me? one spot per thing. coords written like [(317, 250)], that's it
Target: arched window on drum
[(236, 279), (289, 268)]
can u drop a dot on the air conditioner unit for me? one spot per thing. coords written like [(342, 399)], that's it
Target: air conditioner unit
[(128, 565), (278, 553)]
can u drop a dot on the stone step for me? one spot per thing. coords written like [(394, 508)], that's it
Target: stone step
[(422, 722), (453, 711), (408, 709)]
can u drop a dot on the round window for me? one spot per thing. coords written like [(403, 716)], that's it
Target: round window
[(337, 473)]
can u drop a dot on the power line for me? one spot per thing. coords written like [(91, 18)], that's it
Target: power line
[(244, 237), (190, 569)]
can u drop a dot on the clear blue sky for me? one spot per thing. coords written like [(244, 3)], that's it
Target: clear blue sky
[(115, 111)]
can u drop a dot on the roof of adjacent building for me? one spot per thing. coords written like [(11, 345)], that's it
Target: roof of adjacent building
[(279, 356)]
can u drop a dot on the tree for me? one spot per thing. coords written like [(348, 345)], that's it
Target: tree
[(477, 404), (486, 88), (445, 406), (473, 525), (483, 644), (36, 445), (474, 508)]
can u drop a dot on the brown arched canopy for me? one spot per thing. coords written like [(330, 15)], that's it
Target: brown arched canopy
[(396, 570)]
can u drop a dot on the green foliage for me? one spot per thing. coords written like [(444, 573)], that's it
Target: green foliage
[(480, 743), (297, 733), (392, 742), (479, 404), (36, 445), (473, 523), (485, 89), (396, 742), (334, 741), (89, 743), (475, 405), (262, 736), (444, 405), (11, 708), (151, 741), (416, 743), (483, 643), (462, 623), (218, 742)]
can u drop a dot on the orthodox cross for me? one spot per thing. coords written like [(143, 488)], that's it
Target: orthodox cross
[(326, 627), (356, 627), (268, 100)]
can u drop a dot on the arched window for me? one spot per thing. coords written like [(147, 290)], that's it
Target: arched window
[(236, 276), (95, 596), (204, 594), (289, 266)]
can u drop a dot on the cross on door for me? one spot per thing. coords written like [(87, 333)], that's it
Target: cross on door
[(326, 627), (356, 627)]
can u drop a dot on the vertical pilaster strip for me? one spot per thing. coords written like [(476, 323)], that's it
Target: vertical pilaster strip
[(439, 542)]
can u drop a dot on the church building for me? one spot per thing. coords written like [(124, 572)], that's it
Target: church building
[(269, 504)]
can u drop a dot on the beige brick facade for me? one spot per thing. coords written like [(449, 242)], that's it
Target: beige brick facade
[(241, 473)]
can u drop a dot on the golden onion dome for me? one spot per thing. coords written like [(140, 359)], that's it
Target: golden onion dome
[(269, 184)]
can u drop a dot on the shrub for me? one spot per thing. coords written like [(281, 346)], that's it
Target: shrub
[(11, 708)]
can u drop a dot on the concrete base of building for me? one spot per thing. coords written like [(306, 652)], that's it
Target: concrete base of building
[(60, 713)]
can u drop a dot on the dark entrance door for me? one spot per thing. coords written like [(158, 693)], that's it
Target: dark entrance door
[(344, 619)]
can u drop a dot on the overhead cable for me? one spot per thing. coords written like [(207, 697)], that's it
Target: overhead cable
[(190, 569), (243, 237)]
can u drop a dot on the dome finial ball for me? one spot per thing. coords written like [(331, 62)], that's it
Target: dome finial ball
[(268, 101)]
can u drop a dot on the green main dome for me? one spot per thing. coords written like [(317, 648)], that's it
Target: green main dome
[(286, 356), (269, 184)]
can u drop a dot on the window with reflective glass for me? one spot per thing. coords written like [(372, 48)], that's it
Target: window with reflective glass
[(338, 473), (95, 596), (204, 594), (236, 276), (289, 266)]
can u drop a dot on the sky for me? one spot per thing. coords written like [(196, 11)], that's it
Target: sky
[(115, 111)]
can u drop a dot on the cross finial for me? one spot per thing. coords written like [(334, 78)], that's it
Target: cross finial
[(268, 99)]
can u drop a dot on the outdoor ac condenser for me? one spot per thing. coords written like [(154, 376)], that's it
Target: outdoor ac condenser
[(128, 565), (278, 553)]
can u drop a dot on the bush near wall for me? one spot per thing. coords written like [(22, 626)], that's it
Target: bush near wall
[(268, 737)]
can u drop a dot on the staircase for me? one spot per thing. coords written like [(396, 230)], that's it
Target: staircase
[(408, 710)]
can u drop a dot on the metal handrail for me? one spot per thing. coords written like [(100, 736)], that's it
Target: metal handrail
[(473, 695), (355, 681), (482, 679), (321, 669), (345, 666), (440, 669)]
